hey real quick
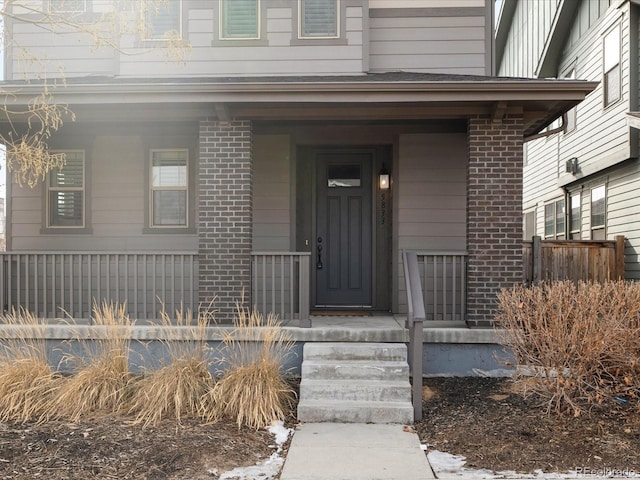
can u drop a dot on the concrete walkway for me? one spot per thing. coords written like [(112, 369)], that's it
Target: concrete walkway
[(355, 451)]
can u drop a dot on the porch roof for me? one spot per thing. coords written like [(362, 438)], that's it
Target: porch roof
[(380, 96)]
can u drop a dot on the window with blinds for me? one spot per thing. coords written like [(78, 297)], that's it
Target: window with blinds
[(169, 188), (318, 18), (66, 192), (163, 18), (239, 19), (611, 66), (67, 6), (598, 213)]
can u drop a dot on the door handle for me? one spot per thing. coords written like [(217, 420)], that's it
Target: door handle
[(319, 257)]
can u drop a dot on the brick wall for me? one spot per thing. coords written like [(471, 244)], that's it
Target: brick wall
[(494, 210), (224, 221)]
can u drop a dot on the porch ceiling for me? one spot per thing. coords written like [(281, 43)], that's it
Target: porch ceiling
[(367, 97)]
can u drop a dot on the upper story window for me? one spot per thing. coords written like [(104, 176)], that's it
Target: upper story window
[(611, 66), (554, 215), (67, 6), (163, 19), (318, 18), (575, 216), (598, 213), (169, 188), (66, 193), (239, 19)]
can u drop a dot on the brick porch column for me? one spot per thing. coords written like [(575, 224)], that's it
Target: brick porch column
[(224, 218), (494, 213)]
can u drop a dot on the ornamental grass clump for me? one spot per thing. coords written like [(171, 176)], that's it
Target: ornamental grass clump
[(253, 390), (576, 346), (27, 381), (101, 380), (180, 388)]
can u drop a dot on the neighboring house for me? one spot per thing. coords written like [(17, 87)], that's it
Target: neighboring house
[(582, 180), (256, 165)]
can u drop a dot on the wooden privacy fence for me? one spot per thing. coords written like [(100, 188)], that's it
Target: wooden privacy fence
[(587, 260)]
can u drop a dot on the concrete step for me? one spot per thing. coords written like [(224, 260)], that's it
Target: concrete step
[(355, 411), (362, 390), (355, 351), (354, 369)]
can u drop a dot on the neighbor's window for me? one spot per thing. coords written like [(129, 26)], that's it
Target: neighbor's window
[(66, 192), (554, 215), (169, 187), (611, 63), (239, 19), (318, 18), (598, 213), (163, 19), (67, 6), (529, 225), (575, 216)]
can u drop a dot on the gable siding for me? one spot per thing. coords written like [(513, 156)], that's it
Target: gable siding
[(419, 40), (431, 197)]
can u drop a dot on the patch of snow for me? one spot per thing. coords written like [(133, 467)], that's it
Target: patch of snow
[(451, 467), (271, 467)]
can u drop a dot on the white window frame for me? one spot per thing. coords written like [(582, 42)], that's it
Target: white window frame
[(184, 188), (603, 226), (52, 9), (571, 115), (83, 189), (611, 60), (151, 36), (221, 29), (575, 234), (317, 37), (556, 234)]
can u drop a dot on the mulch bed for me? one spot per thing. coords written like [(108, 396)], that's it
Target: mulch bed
[(496, 429)]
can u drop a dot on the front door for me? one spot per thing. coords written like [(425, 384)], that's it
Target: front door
[(343, 229)]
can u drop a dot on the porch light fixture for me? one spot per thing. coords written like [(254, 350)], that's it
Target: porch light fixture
[(384, 178), (572, 165)]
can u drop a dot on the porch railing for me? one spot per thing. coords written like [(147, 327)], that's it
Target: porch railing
[(61, 284), (443, 277), (280, 284)]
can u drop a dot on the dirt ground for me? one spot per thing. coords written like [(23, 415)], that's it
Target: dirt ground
[(479, 418), (494, 428)]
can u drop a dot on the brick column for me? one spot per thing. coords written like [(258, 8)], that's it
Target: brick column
[(494, 213), (224, 218)]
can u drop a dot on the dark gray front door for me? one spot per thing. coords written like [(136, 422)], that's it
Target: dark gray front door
[(343, 229)]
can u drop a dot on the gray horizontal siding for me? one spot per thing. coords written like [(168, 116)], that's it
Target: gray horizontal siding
[(271, 198), (431, 196), (426, 43)]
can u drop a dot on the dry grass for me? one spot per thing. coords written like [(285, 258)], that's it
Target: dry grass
[(179, 388), (253, 390), (101, 381), (580, 343), (26, 379)]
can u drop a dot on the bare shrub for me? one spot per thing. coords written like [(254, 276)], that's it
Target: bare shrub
[(576, 346), (27, 381), (179, 388), (101, 380), (253, 390)]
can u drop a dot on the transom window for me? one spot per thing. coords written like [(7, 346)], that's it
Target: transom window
[(611, 63), (67, 6), (598, 213), (239, 19), (163, 19), (66, 192), (318, 18), (554, 215), (169, 187)]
